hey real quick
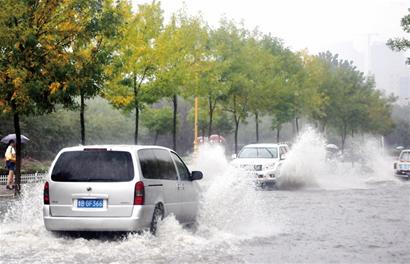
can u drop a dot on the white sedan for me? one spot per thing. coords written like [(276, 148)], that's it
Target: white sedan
[(261, 161)]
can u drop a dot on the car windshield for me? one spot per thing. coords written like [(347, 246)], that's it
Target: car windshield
[(259, 152), (95, 166)]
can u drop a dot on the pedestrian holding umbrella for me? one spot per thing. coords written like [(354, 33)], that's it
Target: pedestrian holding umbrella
[(10, 156)]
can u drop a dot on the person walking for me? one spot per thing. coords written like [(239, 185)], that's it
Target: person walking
[(10, 156)]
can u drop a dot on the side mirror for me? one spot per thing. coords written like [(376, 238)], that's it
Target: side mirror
[(196, 175), (282, 156), (234, 156)]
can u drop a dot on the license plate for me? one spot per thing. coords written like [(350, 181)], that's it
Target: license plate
[(90, 203), (404, 166)]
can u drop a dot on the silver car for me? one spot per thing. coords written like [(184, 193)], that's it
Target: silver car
[(118, 188)]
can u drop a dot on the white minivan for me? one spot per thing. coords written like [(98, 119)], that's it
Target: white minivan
[(118, 188)]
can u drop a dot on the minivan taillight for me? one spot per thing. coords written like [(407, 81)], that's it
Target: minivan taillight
[(46, 194), (139, 193)]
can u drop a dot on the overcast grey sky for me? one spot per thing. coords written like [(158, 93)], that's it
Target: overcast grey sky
[(312, 24), (346, 27)]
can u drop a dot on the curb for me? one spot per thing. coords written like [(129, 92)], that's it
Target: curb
[(6, 195)]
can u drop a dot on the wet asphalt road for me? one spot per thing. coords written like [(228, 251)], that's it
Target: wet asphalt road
[(366, 225)]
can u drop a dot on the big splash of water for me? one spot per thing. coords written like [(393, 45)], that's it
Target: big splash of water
[(308, 166)]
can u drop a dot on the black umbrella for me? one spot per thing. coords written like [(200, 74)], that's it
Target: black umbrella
[(9, 137)]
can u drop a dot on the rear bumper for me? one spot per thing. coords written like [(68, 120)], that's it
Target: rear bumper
[(139, 220)]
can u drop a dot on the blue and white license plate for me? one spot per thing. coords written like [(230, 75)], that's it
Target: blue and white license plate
[(90, 203), (404, 166)]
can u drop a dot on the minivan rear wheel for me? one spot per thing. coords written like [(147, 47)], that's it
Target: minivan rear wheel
[(157, 216)]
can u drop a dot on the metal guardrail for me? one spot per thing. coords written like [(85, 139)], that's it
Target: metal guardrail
[(26, 178)]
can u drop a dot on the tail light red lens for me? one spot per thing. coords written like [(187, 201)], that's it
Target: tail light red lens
[(46, 194), (139, 195)]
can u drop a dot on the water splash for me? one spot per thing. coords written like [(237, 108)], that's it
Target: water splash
[(307, 166), (230, 203), (303, 162)]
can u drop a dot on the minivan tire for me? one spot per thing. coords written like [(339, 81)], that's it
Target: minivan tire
[(157, 216)]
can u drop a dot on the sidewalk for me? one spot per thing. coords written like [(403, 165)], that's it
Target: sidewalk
[(5, 193)]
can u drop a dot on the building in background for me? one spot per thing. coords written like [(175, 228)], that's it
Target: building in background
[(391, 73), (371, 56)]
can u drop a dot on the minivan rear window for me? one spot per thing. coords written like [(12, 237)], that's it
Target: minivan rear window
[(93, 166)]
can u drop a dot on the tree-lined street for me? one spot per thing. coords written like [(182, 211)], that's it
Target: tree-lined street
[(58, 54)]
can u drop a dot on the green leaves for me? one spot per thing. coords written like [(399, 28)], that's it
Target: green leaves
[(136, 59), (35, 39), (157, 121), (351, 103), (53, 51), (402, 44)]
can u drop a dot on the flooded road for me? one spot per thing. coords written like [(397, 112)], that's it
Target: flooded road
[(350, 226), (336, 213), (315, 226)]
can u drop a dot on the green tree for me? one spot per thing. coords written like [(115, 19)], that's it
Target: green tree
[(93, 50), (135, 65), (261, 67), (35, 38), (402, 44), (223, 124), (157, 121), (212, 85), (181, 47), (352, 103), (232, 44)]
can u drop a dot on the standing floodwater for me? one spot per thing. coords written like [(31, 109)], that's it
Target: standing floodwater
[(336, 214)]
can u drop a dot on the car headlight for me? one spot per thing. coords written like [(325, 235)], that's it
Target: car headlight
[(269, 166)]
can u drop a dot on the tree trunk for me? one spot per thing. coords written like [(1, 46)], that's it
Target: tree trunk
[(323, 127), (17, 172), (137, 118), (82, 118), (211, 113), (278, 134), (137, 110), (236, 124), (257, 126), (156, 137), (174, 122), (236, 134), (297, 125), (344, 134)]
